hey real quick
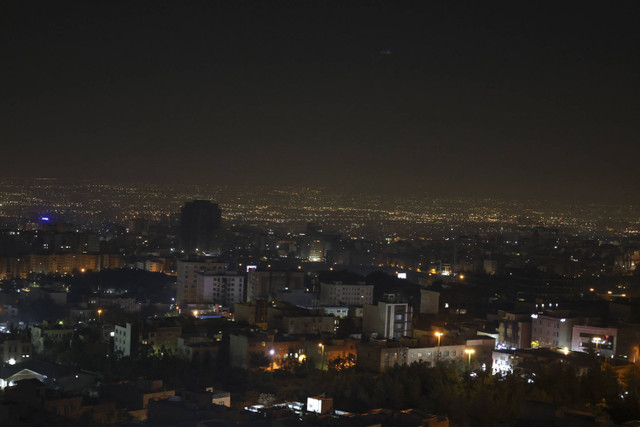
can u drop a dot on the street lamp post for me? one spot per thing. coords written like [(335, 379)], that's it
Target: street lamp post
[(99, 314), (469, 351), (597, 341), (321, 356), (438, 334), (272, 352)]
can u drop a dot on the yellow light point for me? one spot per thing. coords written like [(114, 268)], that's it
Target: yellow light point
[(609, 292), (461, 276), (591, 289), (565, 350), (469, 351)]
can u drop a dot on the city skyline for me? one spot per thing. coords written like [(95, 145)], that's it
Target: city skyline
[(212, 212), (522, 101)]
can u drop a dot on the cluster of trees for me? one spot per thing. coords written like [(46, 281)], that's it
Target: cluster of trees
[(485, 399)]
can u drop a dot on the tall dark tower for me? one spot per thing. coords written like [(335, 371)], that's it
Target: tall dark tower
[(199, 220)]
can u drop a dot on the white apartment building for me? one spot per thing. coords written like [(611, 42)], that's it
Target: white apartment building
[(225, 289), (388, 320), (187, 279), (122, 340)]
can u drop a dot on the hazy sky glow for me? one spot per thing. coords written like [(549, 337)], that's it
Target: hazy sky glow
[(528, 99)]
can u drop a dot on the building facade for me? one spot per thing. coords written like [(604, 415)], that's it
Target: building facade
[(550, 331), (265, 284), (601, 340), (514, 331), (388, 320), (187, 278), (338, 293), (225, 289)]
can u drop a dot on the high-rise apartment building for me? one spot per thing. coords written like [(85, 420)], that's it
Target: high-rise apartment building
[(199, 221)]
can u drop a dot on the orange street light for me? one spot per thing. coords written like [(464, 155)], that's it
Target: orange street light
[(438, 334)]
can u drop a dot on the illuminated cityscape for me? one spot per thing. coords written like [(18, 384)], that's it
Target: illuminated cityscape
[(340, 213), (309, 282)]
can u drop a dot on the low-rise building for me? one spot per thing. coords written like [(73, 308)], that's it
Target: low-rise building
[(199, 349), (125, 340), (44, 334), (338, 293), (514, 330), (596, 339), (551, 330), (161, 338), (14, 351), (380, 355), (253, 313), (388, 320), (299, 321)]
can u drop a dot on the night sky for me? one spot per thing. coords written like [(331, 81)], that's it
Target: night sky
[(518, 99)]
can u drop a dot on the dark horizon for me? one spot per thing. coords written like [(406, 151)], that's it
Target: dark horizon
[(520, 101)]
